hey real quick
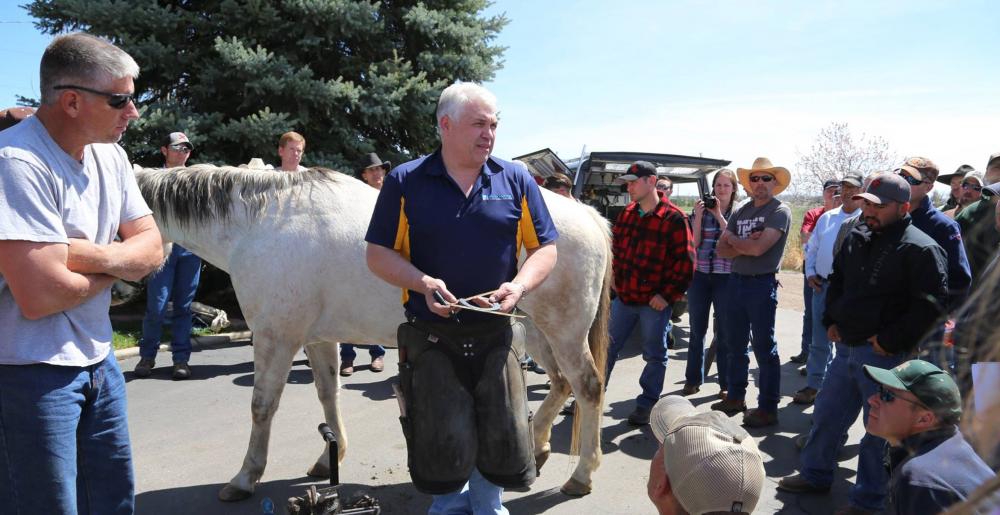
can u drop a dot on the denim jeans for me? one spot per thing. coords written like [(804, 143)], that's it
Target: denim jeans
[(808, 317), (477, 497), (347, 352), (752, 317), (654, 349), (845, 393), (176, 282), (705, 290), (64, 443), (821, 349)]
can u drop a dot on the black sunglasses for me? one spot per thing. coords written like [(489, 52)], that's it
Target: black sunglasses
[(911, 180), (759, 178), (115, 100), (180, 148), (970, 186), (887, 395)]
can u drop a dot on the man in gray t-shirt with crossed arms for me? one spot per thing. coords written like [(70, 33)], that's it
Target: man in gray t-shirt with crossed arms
[(66, 192), (755, 240)]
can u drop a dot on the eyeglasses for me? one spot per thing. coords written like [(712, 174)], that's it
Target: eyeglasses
[(887, 395), (663, 187), (911, 180), (759, 178), (970, 186), (180, 148), (115, 100)]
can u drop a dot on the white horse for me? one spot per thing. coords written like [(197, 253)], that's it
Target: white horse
[(293, 244)]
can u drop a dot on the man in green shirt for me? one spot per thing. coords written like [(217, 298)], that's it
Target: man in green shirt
[(979, 235)]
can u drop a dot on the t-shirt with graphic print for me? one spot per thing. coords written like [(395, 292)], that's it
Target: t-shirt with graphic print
[(750, 218)]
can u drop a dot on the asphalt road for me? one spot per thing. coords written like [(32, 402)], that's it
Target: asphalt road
[(189, 438)]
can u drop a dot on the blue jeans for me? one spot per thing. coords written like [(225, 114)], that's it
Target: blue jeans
[(478, 496), (176, 282), (821, 348), (64, 443), (654, 349), (347, 351), (752, 317), (706, 290), (845, 393), (807, 317)]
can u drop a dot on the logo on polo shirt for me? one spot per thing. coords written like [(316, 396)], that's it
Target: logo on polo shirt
[(498, 196)]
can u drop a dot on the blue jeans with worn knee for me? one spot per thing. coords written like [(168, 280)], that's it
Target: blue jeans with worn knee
[(478, 496), (808, 317), (624, 318), (176, 282), (821, 348), (706, 290), (752, 317), (64, 442), (845, 393)]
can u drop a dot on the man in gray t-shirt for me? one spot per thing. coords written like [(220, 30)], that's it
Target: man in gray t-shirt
[(755, 240), (66, 193)]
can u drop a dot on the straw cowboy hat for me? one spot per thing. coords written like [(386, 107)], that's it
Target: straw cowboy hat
[(763, 165)]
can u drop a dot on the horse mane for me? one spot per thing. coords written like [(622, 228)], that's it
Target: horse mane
[(190, 195)]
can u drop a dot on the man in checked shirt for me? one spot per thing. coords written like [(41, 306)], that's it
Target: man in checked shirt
[(652, 270)]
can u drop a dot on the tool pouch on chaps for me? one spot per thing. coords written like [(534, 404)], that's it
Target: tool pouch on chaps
[(465, 406)]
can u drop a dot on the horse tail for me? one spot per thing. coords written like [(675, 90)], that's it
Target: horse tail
[(598, 341)]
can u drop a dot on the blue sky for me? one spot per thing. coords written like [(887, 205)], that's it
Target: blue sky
[(727, 79)]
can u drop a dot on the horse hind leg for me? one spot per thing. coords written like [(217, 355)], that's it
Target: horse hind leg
[(325, 360), (272, 361)]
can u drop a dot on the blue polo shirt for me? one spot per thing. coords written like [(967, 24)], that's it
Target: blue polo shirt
[(471, 243)]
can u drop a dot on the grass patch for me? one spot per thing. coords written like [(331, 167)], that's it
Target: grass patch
[(127, 333)]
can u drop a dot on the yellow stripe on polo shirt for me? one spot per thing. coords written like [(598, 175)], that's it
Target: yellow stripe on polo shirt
[(526, 228), (402, 243)]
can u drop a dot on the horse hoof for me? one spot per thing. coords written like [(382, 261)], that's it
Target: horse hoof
[(574, 488), (318, 470), (540, 460), (230, 493)]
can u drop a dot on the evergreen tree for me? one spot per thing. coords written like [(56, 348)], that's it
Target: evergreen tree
[(352, 76)]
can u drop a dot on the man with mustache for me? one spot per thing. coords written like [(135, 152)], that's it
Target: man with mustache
[(888, 286)]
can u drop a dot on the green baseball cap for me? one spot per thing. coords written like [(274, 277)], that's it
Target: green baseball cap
[(932, 386)]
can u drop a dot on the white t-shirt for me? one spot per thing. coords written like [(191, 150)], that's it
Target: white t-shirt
[(48, 196)]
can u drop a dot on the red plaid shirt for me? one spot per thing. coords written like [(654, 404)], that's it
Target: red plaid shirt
[(652, 253)]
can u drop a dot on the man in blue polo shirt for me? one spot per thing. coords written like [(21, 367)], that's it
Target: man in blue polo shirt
[(451, 225)]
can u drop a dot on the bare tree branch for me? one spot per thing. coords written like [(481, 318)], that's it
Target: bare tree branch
[(834, 153)]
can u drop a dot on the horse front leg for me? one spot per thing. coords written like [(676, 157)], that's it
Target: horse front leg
[(325, 360), (272, 362), (540, 350)]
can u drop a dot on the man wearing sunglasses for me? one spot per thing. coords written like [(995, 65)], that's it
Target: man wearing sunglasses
[(916, 409), (755, 239), (66, 192), (888, 286), (979, 235)]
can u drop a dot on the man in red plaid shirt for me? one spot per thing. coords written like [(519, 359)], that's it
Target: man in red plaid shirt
[(652, 268)]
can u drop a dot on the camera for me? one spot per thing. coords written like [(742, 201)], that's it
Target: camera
[(709, 200)]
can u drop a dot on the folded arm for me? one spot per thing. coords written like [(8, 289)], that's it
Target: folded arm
[(139, 253)]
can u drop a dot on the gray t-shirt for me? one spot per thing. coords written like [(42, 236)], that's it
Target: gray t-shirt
[(48, 196), (776, 215)]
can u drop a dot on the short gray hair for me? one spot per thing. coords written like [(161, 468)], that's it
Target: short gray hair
[(455, 97), (83, 60)]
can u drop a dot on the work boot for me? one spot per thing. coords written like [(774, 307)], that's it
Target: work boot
[(760, 418), (799, 485), (145, 367), (639, 416), (805, 396), (346, 368), (730, 407), (378, 365), (690, 389), (181, 371), (800, 358)]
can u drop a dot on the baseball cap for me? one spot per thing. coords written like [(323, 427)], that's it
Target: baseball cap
[(991, 190), (713, 463), (853, 178), (179, 138), (887, 187), (925, 166), (637, 170), (994, 159), (932, 386), (976, 176), (832, 183)]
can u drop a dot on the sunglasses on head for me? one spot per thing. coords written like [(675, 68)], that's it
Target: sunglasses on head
[(970, 186), (115, 100), (911, 180), (887, 395), (760, 178), (180, 148)]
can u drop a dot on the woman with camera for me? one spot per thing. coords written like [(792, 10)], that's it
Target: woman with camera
[(708, 221)]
